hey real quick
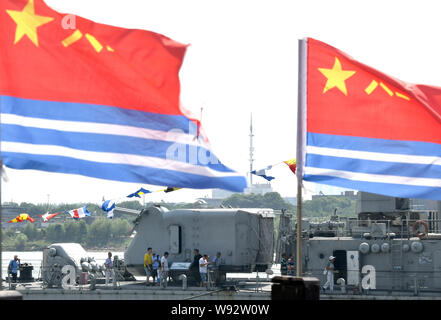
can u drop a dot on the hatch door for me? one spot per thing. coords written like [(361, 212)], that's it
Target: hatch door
[(175, 239), (353, 265)]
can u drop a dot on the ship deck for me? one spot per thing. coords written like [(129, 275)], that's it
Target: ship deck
[(243, 290), (137, 290)]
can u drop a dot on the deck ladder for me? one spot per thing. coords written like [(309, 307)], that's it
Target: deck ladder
[(396, 254)]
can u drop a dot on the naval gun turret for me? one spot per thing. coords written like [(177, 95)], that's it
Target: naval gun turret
[(245, 238), (58, 255)]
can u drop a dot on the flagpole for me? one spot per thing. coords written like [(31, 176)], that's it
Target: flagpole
[(1, 228), (299, 229), (301, 144)]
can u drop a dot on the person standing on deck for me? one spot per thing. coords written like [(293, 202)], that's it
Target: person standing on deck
[(164, 270), (13, 268), (284, 265), (156, 265), (330, 269), (215, 265), (203, 270), (109, 269), (194, 267), (291, 268), (148, 266)]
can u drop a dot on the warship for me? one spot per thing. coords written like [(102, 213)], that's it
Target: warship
[(245, 237), (389, 249)]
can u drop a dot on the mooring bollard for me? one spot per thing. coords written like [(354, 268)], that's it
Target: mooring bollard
[(342, 283), (183, 277)]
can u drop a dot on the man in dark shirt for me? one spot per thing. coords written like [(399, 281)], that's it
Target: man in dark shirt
[(194, 267), (284, 265)]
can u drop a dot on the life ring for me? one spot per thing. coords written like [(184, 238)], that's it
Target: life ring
[(416, 226)]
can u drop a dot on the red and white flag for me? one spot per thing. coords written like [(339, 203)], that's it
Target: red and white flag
[(47, 216), (79, 213)]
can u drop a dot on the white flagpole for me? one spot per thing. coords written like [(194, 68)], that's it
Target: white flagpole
[(301, 144)]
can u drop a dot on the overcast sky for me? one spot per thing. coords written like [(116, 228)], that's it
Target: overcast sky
[(242, 59)]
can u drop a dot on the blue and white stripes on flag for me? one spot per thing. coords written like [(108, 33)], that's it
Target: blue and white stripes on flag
[(110, 143), (406, 169), (108, 206), (262, 173)]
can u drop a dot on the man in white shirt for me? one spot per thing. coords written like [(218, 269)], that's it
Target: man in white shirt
[(164, 270), (330, 269), (203, 263), (109, 269)]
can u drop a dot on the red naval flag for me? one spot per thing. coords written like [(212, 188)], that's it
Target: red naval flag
[(365, 130), (100, 101), (45, 58)]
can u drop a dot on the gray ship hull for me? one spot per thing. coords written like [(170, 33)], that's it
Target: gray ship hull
[(400, 266)]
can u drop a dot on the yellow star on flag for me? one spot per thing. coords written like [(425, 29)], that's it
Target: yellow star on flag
[(28, 22), (336, 77)]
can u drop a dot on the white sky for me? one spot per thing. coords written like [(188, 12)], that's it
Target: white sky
[(242, 59)]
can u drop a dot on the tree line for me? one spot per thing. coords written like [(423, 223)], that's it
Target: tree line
[(271, 200), (102, 232), (322, 206)]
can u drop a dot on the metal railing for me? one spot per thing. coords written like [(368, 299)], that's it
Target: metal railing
[(405, 228), (416, 280)]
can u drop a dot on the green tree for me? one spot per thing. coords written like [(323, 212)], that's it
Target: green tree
[(31, 232), (82, 231), (20, 241), (275, 201), (99, 232), (135, 205), (55, 233), (33, 209), (324, 206), (271, 200), (243, 201), (8, 233), (72, 231)]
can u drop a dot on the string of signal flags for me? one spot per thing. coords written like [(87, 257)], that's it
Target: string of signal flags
[(292, 164), (108, 206)]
